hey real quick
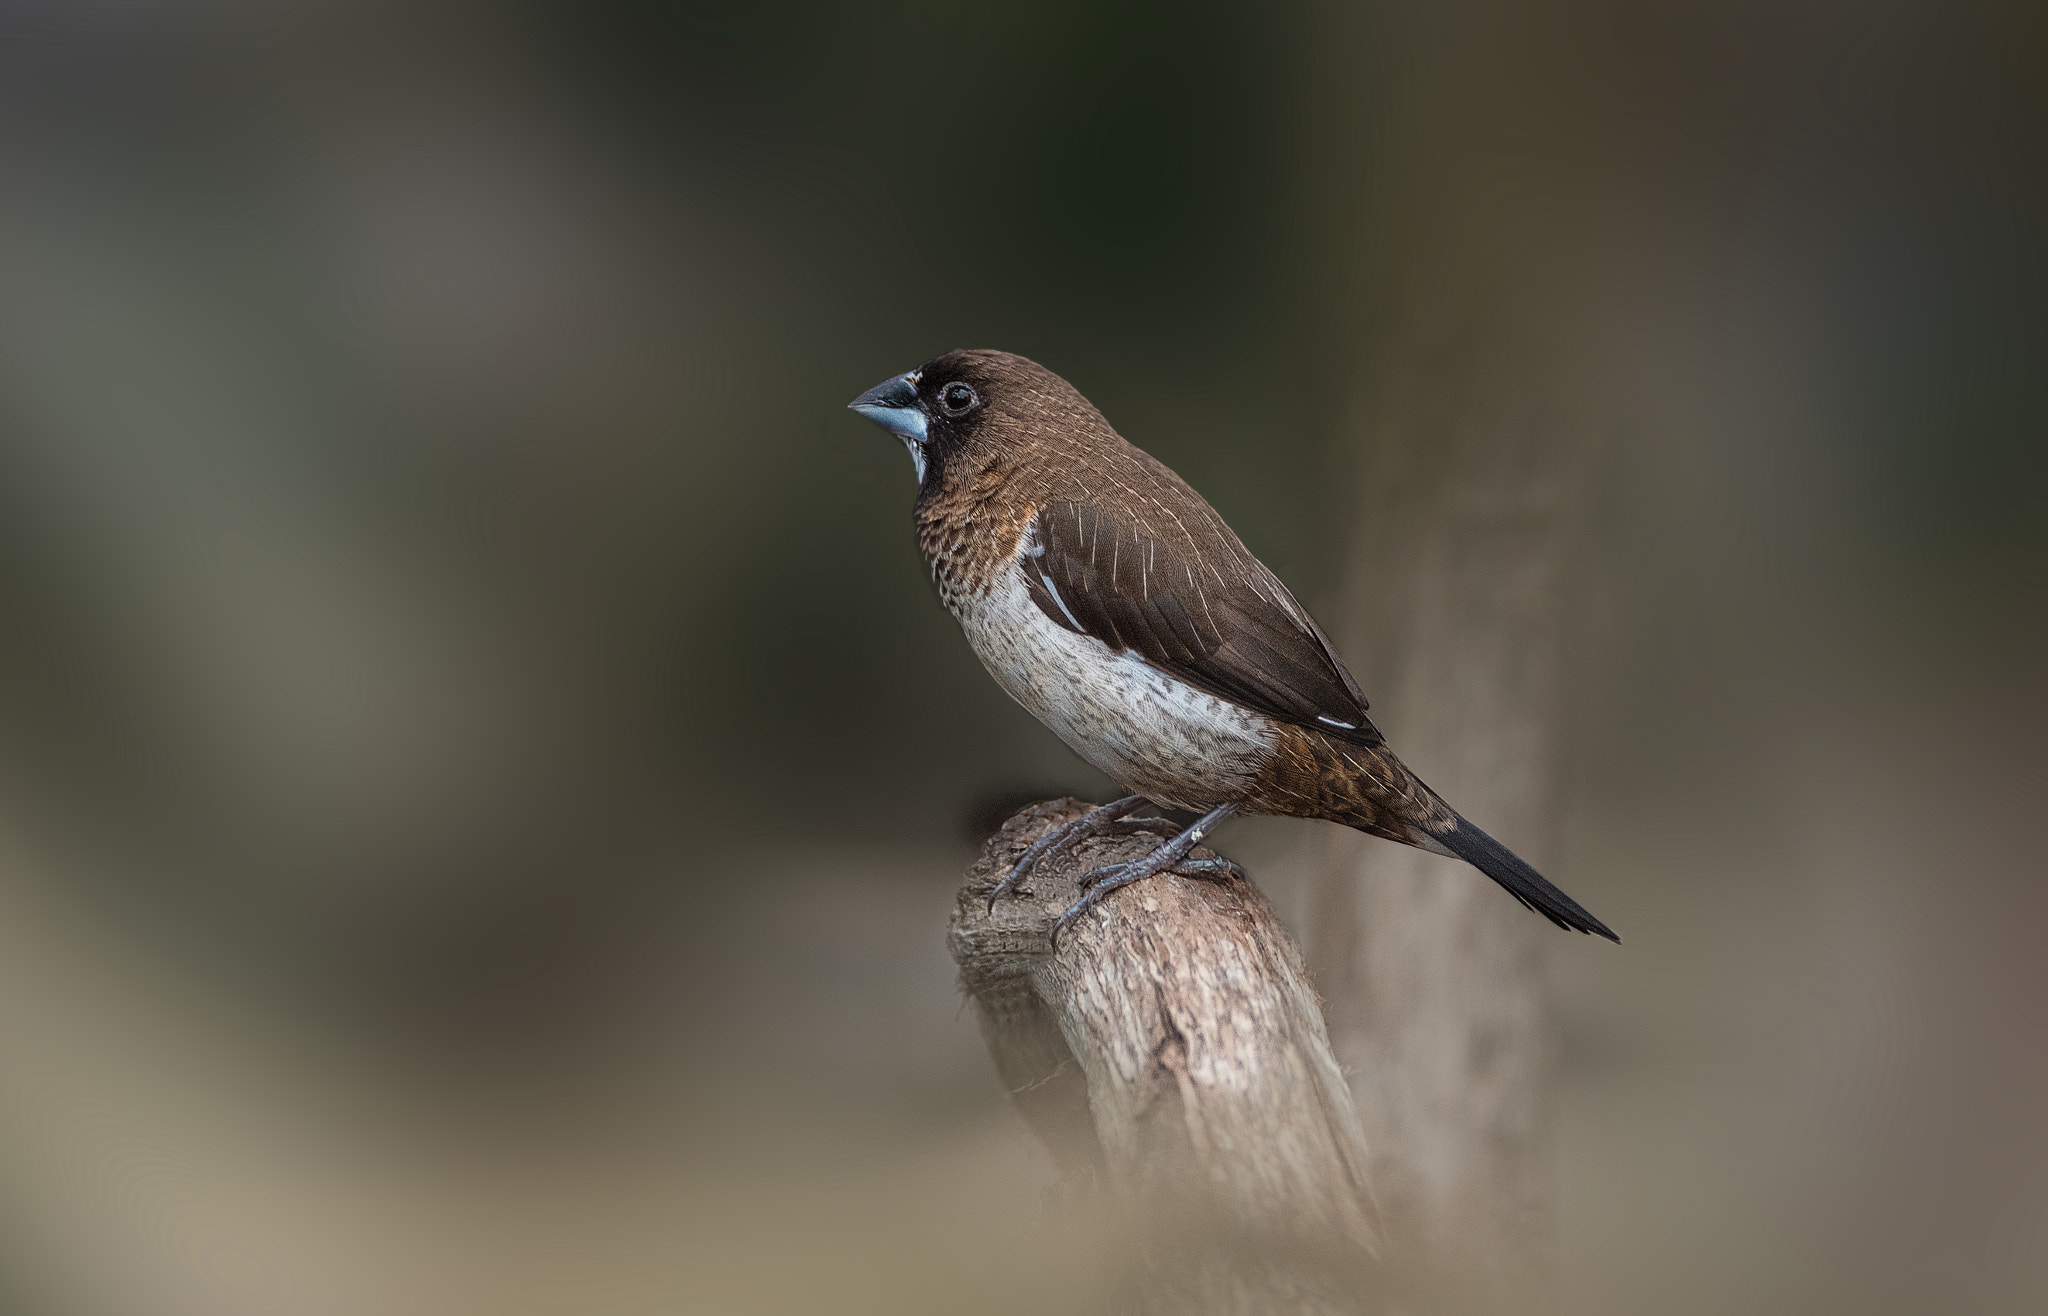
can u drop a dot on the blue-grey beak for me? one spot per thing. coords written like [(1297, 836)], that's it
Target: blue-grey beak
[(892, 404)]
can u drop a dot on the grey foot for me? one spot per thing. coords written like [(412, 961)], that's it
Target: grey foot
[(1172, 856), (1218, 869), (1091, 823)]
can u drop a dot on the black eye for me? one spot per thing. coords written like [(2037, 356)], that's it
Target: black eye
[(957, 399)]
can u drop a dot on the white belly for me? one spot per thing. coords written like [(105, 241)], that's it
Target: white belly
[(1155, 735)]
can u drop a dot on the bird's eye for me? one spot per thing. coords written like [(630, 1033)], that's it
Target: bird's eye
[(957, 399)]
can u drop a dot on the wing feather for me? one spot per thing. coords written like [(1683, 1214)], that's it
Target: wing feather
[(1232, 629)]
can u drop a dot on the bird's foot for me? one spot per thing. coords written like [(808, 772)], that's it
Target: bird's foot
[(1217, 869), (1109, 877), (1170, 857), (1107, 818)]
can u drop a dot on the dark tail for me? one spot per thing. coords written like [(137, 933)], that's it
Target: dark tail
[(1523, 882)]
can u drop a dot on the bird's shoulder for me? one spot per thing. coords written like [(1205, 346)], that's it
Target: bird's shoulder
[(1125, 551)]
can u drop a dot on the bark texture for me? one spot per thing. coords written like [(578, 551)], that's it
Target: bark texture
[(1172, 1054)]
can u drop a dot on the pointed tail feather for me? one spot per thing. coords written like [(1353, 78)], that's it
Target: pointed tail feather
[(1522, 882)]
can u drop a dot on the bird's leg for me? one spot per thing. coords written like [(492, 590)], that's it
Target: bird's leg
[(1173, 855), (1218, 868), (1059, 838)]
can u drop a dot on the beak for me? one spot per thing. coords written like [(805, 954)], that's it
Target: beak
[(892, 404)]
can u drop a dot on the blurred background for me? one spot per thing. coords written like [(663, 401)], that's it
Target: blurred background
[(483, 773)]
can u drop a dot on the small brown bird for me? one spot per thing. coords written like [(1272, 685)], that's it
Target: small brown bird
[(1112, 602)]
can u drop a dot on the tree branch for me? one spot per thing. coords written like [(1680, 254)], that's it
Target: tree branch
[(1172, 1053)]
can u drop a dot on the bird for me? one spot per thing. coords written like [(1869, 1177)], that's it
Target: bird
[(1112, 601)]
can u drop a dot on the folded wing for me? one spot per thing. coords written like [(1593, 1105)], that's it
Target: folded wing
[(1196, 605)]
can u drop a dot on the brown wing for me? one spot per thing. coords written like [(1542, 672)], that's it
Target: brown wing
[(1206, 612)]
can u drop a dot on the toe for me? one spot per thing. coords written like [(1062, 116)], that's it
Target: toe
[(1216, 869), (1096, 877)]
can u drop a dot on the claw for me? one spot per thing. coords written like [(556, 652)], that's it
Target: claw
[(1059, 838)]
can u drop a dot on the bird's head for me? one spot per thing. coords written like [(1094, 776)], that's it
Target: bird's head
[(961, 410)]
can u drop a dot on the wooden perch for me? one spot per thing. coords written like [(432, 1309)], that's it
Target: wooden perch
[(1172, 1052)]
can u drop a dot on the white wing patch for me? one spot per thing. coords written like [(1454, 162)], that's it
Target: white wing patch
[(1054, 590)]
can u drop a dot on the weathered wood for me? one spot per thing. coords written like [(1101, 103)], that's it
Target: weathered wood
[(1172, 1051)]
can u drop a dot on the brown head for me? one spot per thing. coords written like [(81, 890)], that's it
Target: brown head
[(971, 413)]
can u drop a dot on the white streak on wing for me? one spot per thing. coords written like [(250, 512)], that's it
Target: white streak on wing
[(1174, 517), (1054, 591), (1348, 726), (1367, 769)]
